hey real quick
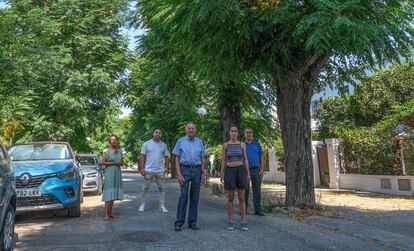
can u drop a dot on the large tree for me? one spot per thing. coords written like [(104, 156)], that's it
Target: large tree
[(296, 43), (234, 93), (70, 57)]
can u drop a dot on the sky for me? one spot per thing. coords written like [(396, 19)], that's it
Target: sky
[(132, 34)]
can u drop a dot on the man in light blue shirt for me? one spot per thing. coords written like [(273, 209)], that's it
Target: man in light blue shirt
[(189, 153)]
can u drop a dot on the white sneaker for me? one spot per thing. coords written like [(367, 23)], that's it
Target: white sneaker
[(163, 209), (141, 207)]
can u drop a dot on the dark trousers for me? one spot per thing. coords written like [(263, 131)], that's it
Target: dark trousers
[(257, 190), (192, 180)]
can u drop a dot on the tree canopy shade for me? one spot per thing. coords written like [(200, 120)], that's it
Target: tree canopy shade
[(294, 43), (65, 58), (232, 93)]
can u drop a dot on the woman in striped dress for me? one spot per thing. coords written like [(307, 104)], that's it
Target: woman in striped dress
[(235, 175), (112, 160)]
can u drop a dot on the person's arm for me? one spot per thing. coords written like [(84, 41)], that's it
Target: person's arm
[(262, 161), (142, 164), (177, 153), (178, 170), (246, 162), (166, 165), (121, 161), (105, 161), (223, 162), (203, 170), (166, 160)]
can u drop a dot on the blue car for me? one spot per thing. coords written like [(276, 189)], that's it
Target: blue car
[(47, 177)]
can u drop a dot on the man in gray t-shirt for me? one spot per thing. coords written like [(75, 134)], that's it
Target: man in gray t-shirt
[(154, 163)]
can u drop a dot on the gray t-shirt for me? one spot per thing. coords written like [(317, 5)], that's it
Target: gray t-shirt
[(154, 155)]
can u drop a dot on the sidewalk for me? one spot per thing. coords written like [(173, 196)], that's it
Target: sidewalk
[(382, 219), (275, 193)]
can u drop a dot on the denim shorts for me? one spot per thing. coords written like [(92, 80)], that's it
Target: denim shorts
[(235, 178)]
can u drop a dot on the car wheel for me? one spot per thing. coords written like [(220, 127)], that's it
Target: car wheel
[(75, 211), (7, 231)]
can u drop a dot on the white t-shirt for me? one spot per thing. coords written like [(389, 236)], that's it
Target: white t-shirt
[(154, 155)]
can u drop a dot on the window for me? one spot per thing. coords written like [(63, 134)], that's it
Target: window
[(40, 152)]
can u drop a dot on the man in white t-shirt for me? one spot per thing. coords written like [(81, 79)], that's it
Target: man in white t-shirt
[(154, 163)]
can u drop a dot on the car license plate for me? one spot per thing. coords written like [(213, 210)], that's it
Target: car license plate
[(28, 193)]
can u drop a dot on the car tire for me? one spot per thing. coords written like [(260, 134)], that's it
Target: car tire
[(7, 231), (75, 211)]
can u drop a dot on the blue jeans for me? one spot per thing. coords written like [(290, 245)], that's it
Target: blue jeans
[(192, 176), (256, 187)]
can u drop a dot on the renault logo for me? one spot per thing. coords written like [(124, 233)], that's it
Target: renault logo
[(25, 179)]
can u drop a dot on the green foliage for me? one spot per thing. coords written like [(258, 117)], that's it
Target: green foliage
[(217, 152), (66, 58), (401, 117), (366, 152), (377, 149), (223, 37), (372, 100)]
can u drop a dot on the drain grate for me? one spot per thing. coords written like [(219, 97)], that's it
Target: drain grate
[(143, 236)]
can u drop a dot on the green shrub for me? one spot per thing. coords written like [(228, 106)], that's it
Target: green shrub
[(366, 152)]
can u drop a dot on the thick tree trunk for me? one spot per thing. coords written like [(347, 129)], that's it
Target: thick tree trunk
[(229, 116), (294, 95), (229, 107)]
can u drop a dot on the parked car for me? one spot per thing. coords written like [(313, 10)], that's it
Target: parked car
[(7, 201), (47, 177), (92, 171)]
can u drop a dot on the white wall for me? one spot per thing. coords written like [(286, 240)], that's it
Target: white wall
[(275, 175), (370, 183)]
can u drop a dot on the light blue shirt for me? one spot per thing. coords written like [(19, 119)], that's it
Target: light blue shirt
[(191, 152)]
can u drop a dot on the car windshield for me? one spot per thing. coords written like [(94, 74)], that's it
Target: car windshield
[(87, 160), (45, 151)]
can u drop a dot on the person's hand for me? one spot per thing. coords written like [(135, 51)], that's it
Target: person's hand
[(180, 179), (203, 177), (222, 179), (143, 172), (261, 172), (166, 171), (118, 162), (248, 178)]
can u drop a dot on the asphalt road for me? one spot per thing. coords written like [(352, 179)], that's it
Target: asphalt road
[(153, 230)]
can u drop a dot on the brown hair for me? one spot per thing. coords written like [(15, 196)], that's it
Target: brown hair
[(113, 135)]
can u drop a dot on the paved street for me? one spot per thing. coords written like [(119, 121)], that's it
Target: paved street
[(153, 230)]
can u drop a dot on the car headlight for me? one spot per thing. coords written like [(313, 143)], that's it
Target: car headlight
[(68, 174), (91, 175)]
